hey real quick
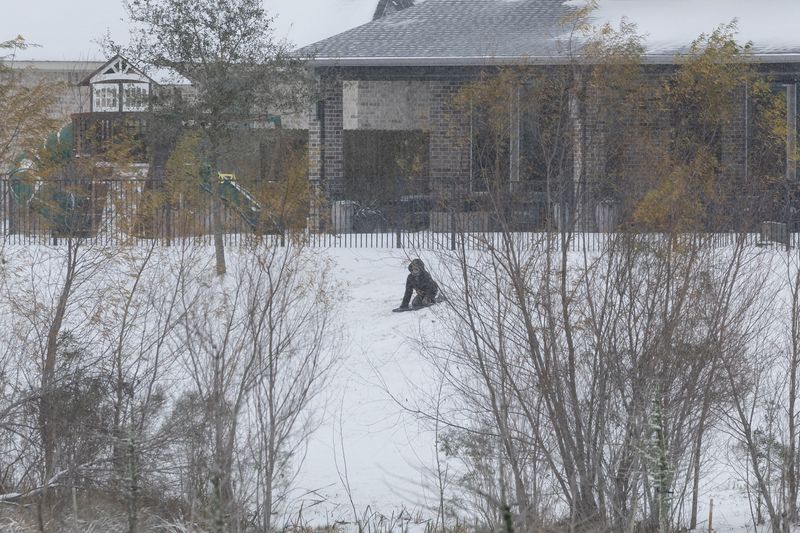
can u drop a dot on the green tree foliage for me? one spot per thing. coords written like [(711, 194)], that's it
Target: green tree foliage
[(239, 73), (677, 148), (692, 184)]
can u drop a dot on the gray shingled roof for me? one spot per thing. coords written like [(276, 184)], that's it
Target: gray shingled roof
[(450, 32), (476, 32)]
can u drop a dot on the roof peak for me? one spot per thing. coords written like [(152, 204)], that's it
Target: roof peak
[(387, 7), (117, 66)]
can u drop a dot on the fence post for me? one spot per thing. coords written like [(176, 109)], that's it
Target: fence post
[(92, 212), (710, 515), (452, 229), (453, 216)]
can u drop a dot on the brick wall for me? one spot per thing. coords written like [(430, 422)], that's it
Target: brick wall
[(386, 105), (325, 149), (393, 106), (449, 140), (734, 140), (637, 135), (315, 169), (333, 154), (294, 120)]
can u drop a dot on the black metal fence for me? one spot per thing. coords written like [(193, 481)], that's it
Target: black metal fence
[(110, 212), (130, 211), (574, 241)]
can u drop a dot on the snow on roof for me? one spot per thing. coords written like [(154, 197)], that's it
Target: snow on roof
[(457, 32), (439, 29)]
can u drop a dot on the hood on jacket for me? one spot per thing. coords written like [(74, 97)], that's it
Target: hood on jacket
[(416, 263)]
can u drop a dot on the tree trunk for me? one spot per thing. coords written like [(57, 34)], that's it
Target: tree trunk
[(696, 477), (219, 244), (216, 209), (133, 487), (48, 371), (791, 474)]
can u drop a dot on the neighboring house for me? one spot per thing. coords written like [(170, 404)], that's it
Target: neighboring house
[(106, 102), (117, 86), (65, 77), (106, 94), (391, 80), (101, 99), (119, 97)]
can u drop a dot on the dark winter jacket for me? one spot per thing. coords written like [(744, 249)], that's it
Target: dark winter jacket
[(422, 283)]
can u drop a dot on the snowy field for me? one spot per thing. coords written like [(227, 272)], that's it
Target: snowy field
[(371, 455), (368, 441), (390, 455)]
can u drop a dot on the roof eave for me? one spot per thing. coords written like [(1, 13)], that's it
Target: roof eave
[(439, 61)]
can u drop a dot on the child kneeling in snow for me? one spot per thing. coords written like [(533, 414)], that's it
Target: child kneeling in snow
[(421, 281)]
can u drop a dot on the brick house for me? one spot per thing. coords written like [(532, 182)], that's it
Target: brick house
[(390, 82)]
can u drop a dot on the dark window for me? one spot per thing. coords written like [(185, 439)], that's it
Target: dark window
[(543, 136), (532, 166), (767, 155), (281, 152), (381, 166), (490, 149)]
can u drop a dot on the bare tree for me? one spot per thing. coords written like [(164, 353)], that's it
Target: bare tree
[(291, 326), (53, 300), (765, 419), (598, 374), (600, 383), (793, 275), (137, 326), (257, 352)]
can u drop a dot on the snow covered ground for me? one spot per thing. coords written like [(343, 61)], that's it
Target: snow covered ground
[(389, 454), (371, 455), (368, 440)]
